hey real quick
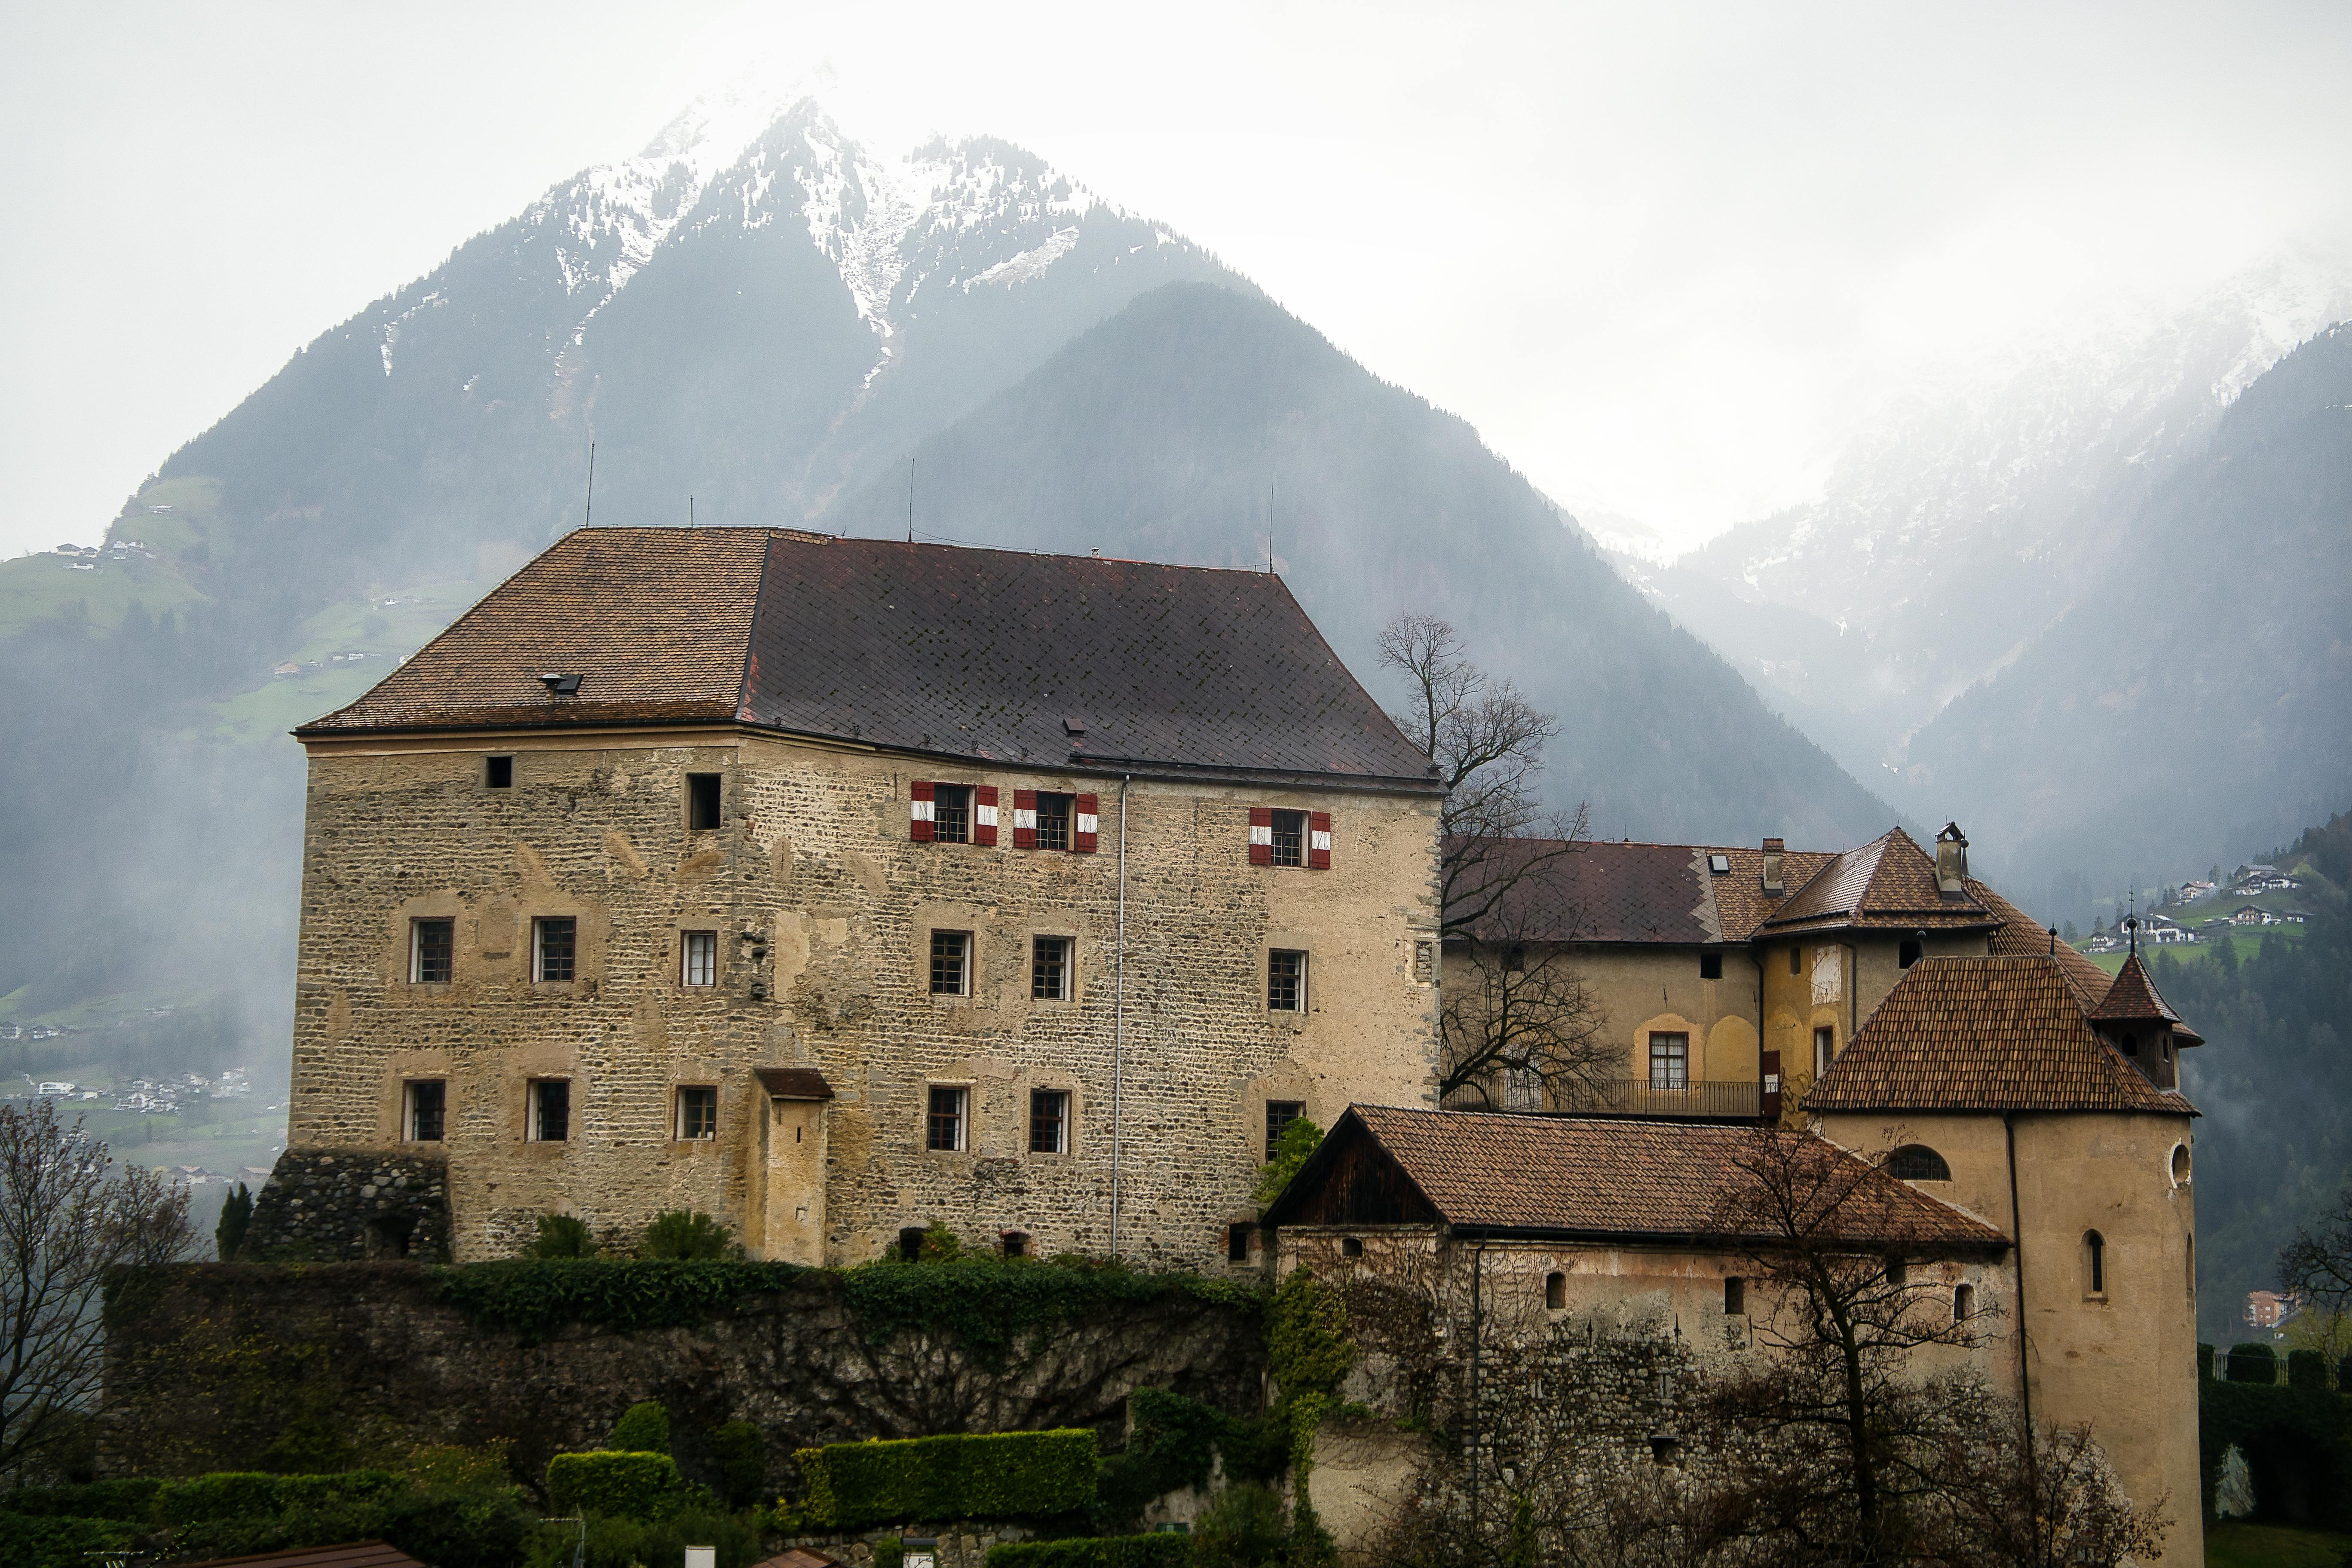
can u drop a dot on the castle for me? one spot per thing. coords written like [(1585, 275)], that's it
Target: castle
[(841, 888)]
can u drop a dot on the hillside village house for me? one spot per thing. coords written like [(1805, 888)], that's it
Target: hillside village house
[(839, 888)]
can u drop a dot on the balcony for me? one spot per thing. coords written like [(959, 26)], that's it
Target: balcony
[(1697, 1102)]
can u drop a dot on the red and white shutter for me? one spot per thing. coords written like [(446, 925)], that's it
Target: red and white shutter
[(1024, 819), (1260, 836), (1319, 840), (1084, 830), (1770, 1105), (919, 811), (983, 815)]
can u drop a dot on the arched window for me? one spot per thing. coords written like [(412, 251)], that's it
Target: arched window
[(2095, 1256), (1556, 1291), (2180, 1164), (1917, 1163), (1352, 1246), (1964, 1302)]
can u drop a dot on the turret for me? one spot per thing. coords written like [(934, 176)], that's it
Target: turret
[(2135, 1018)]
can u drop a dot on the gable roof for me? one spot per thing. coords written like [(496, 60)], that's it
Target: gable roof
[(1578, 1177), (1889, 883), (1050, 661), (1600, 891), (1985, 1034)]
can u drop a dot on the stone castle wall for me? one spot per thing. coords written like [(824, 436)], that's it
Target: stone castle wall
[(328, 1205)]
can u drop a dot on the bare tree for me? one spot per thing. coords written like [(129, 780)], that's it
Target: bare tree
[(67, 1216), (1521, 1030), (2319, 1266)]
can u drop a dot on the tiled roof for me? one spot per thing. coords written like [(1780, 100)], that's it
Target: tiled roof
[(987, 655), (2134, 999), (1985, 1034), (353, 1554), (1889, 882), (1602, 892), (1573, 1176), (2019, 936)]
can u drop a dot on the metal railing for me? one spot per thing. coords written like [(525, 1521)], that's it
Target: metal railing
[(1639, 1097)]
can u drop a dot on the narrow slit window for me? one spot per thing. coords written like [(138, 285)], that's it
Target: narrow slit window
[(700, 958), (947, 1117), (1237, 1240), (428, 1105), (555, 943), (951, 962), (1049, 969), (1279, 1115), (1049, 1122), (1796, 960), (549, 1120), (1053, 820), (2095, 1256), (701, 800), (1285, 980), (698, 1113), (1734, 1297), (433, 946), (1290, 838), (1556, 1292), (952, 814), (1964, 1302), (1824, 1049), (1669, 1062), (497, 772)]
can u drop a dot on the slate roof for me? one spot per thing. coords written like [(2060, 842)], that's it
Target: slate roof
[(1985, 1034), (1623, 1180), (1067, 662), (1888, 883), (1611, 892)]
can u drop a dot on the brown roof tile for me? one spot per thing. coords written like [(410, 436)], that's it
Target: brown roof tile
[(1889, 883), (353, 1554), (1573, 1176), (1985, 1034), (1055, 662), (2019, 936)]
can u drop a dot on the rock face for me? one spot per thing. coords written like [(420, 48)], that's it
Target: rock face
[(352, 1203), (240, 1367)]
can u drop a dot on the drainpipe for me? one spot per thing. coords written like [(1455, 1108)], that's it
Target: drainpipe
[(1118, 1018), (2017, 1240)]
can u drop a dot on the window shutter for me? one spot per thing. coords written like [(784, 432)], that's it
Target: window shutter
[(1024, 819), (919, 827), (1261, 839), (1319, 840), (983, 815), (1770, 1105), (1083, 831)]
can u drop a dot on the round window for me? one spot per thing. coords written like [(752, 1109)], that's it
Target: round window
[(2180, 1164)]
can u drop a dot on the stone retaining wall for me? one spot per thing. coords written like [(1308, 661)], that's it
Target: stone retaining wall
[(352, 1203)]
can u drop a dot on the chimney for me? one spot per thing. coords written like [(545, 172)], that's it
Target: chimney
[(1773, 848), (1951, 859)]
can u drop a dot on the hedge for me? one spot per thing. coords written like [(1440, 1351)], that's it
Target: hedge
[(1000, 1474), (247, 1494), (634, 1485), (2307, 1430), (2252, 1363), (123, 1499), (1166, 1550), (2307, 1369), (33, 1540)]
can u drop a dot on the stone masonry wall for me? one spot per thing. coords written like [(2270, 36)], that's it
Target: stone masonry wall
[(325, 1204)]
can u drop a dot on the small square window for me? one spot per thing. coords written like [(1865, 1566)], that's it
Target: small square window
[(1049, 969), (1669, 1062), (555, 945), (549, 1116), (1285, 980), (1237, 1240), (952, 814), (1049, 1122), (1290, 838), (428, 1111), (1053, 820), (950, 964), (701, 800), (432, 951), (1710, 966), (1279, 1115), (698, 1113), (698, 961), (947, 1119), (497, 772)]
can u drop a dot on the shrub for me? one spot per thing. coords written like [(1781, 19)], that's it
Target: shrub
[(562, 1236), (633, 1485), (2307, 1369), (127, 1499), (455, 1529), (941, 1245), (533, 1296), (643, 1428), (1307, 1336), (1163, 1550), (1291, 1151), (1242, 1528), (30, 1541), (236, 1219), (683, 1236), (2252, 1363), (1176, 1443), (1002, 1475), (741, 1449), (450, 1467), (236, 1495)]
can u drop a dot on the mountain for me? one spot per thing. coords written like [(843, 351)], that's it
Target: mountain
[(1203, 425)]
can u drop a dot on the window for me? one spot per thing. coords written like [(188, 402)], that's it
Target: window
[(497, 772), (2095, 1257), (1720, 864), (698, 1113), (1907, 953), (2180, 1164), (1556, 1292), (946, 1120), (1898, 1271), (1285, 980), (1964, 1302), (952, 814), (1279, 1115), (1049, 969), (428, 1103), (548, 1116), (1710, 966), (1514, 960), (1669, 1062), (432, 948), (1917, 1163), (1237, 1239), (2131, 1044), (910, 1243), (698, 958), (1796, 960), (701, 800), (1290, 838), (1016, 1243), (1824, 1049), (1734, 1297), (951, 962), (1351, 1247), (1049, 1122), (1053, 821), (555, 943)]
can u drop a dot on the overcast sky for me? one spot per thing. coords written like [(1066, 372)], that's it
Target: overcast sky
[(1663, 257)]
